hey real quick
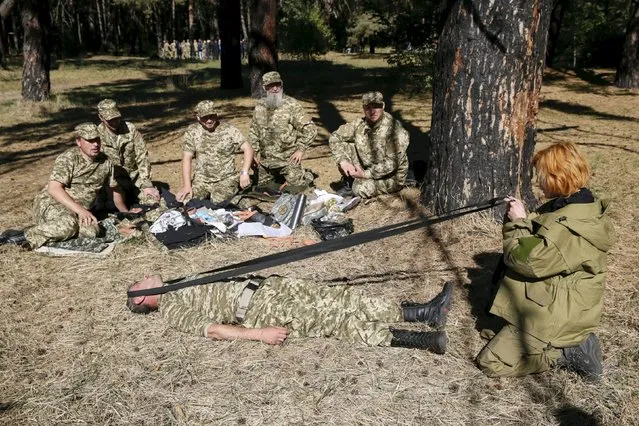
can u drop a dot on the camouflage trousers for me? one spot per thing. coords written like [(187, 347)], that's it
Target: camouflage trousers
[(219, 191), (308, 309), (55, 223), (369, 188), (513, 353), (294, 174)]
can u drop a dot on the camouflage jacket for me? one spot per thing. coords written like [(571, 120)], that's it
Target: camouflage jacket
[(193, 309), (82, 178), (127, 151), (277, 133), (381, 149), (214, 151)]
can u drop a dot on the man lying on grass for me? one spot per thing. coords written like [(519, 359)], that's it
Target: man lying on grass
[(272, 309)]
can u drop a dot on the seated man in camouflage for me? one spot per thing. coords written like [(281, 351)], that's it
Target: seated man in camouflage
[(214, 145), (371, 151), (280, 132), (61, 210), (274, 308), (126, 149)]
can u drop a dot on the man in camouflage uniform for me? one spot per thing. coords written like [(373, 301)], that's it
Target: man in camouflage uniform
[(61, 210), (164, 51), (274, 308), (126, 149), (186, 50), (280, 132), (371, 151), (172, 50), (214, 145)]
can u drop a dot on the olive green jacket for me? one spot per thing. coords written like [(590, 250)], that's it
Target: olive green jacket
[(555, 272)]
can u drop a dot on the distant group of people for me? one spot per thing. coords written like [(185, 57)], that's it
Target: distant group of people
[(196, 50), (549, 287)]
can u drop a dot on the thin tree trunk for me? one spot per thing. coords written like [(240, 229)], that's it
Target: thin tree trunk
[(106, 20), (628, 69), (262, 39), (158, 29), (3, 49), (191, 13), (15, 24), (173, 18), (556, 19), (242, 13), (230, 32), (79, 24), (488, 69), (100, 27), (36, 21)]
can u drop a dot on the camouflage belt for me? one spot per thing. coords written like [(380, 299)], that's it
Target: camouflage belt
[(245, 299)]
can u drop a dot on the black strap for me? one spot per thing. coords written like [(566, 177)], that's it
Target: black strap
[(317, 249)]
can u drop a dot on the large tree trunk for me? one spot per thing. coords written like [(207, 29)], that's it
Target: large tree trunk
[(489, 66), (556, 19), (628, 70), (230, 33), (36, 21), (262, 51)]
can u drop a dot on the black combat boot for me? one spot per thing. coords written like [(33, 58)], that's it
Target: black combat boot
[(434, 341), (433, 313), (585, 359), (12, 236)]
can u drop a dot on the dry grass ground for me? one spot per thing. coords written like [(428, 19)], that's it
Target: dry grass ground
[(70, 352)]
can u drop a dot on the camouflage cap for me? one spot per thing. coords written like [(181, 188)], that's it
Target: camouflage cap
[(87, 131), (271, 77), (205, 108), (372, 98), (108, 109)]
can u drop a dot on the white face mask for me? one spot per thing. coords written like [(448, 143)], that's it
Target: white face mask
[(274, 100)]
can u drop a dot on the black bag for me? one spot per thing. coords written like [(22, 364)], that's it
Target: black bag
[(331, 230)]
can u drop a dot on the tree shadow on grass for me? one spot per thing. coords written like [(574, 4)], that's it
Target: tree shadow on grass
[(577, 109)]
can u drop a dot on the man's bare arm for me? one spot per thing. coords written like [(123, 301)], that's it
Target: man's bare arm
[(270, 335)]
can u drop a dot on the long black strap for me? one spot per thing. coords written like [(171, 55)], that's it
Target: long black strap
[(300, 253)]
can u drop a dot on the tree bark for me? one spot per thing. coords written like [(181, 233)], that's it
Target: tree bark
[(488, 69), (628, 69), (262, 39), (6, 7), (36, 21), (230, 32), (556, 19)]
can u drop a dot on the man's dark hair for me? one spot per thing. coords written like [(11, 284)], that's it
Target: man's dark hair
[(135, 308)]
